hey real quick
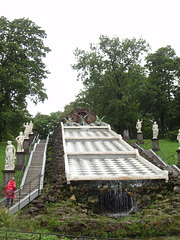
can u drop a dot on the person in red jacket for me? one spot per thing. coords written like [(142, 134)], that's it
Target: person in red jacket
[(9, 190)]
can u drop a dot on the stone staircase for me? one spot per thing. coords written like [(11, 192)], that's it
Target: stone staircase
[(32, 181), (35, 167)]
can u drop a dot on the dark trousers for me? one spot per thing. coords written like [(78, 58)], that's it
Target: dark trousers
[(7, 202)]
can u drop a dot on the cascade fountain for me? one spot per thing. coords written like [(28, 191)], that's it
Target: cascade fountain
[(102, 167)]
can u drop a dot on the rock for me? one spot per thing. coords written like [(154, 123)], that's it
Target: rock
[(177, 189), (38, 217), (159, 196), (51, 199), (60, 228), (33, 211), (72, 198)]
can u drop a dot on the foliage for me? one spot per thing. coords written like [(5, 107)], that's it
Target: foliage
[(21, 71), (2, 160), (172, 135), (21, 235), (117, 85), (45, 124), (6, 220), (67, 109), (160, 97), (112, 74)]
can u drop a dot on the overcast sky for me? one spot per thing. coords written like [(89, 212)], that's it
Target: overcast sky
[(77, 23)]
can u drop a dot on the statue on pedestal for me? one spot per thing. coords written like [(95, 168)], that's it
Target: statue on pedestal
[(155, 130), (31, 125), (10, 156), (20, 140), (26, 131), (178, 138), (139, 125)]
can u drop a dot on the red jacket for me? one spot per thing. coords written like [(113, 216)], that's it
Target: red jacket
[(10, 188)]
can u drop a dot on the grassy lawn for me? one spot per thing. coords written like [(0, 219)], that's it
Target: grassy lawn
[(168, 149), (2, 159), (2, 155)]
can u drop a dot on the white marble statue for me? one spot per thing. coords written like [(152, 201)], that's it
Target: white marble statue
[(31, 125), (26, 131), (178, 138), (10, 156), (20, 141), (139, 125), (155, 130)]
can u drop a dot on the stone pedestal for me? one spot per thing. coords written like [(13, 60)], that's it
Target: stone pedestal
[(126, 134), (155, 144), (140, 138), (20, 160), (31, 137), (26, 145), (178, 164), (7, 175)]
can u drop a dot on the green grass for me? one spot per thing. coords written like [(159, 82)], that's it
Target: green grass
[(2, 159), (168, 149), (2, 154)]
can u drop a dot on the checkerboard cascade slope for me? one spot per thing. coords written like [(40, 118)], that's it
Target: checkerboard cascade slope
[(98, 153)]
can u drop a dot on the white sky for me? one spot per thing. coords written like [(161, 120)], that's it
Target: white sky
[(77, 23)]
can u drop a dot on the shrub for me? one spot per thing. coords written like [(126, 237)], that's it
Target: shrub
[(6, 220), (172, 135)]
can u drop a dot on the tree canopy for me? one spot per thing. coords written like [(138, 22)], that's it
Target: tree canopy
[(45, 124), (22, 70), (123, 88), (112, 74), (161, 89)]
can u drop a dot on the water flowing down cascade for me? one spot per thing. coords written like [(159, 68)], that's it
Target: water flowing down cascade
[(119, 198)]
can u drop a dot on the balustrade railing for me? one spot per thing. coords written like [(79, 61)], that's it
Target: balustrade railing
[(24, 191), (7, 235)]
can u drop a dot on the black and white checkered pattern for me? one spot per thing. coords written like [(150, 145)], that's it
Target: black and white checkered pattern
[(116, 166), (98, 153)]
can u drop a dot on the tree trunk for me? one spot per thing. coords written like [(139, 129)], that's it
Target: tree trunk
[(162, 125)]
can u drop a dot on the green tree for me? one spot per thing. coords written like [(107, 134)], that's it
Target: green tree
[(111, 72), (21, 70), (160, 93), (67, 109), (45, 124)]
